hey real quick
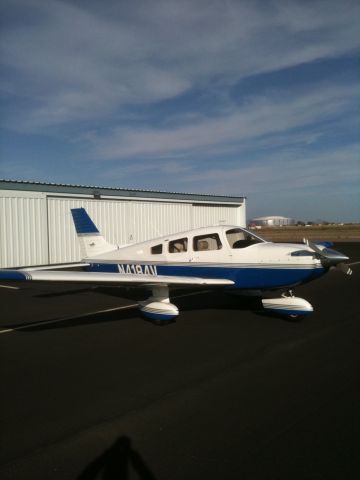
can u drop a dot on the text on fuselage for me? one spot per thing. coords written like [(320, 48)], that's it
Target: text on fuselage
[(137, 269)]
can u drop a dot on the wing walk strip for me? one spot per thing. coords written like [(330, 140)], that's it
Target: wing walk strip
[(82, 315)]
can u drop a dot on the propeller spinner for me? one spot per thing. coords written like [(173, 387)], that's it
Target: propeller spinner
[(330, 258)]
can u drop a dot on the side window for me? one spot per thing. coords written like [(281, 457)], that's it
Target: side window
[(207, 242), (238, 238), (179, 245), (157, 249), (235, 235)]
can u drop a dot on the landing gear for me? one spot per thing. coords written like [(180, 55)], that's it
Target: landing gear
[(158, 308), (287, 294), (289, 306), (295, 317)]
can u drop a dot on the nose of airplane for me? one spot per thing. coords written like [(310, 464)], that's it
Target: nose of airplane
[(330, 258), (337, 260)]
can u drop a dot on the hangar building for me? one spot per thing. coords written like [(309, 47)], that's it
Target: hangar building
[(36, 224), (273, 221)]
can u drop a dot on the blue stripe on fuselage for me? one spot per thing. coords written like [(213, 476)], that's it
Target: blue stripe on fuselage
[(243, 277), (247, 278)]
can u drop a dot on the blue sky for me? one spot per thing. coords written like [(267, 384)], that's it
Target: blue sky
[(255, 98)]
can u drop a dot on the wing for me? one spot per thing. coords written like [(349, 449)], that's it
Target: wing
[(58, 266), (101, 278)]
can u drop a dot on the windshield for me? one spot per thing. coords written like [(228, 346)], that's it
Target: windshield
[(240, 238)]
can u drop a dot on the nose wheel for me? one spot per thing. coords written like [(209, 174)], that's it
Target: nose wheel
[(295, 317), (288, 306)]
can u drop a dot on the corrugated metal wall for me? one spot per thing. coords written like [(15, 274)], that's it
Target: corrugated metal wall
[(36, 230), (23, 237), (109, 216), (154, 219), (207, 215)]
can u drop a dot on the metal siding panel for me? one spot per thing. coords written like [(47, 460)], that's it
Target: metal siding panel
[(22, 231), (152, 219), (209, 215), (26, 223), (62, 239), (109, 216), (241, 215)]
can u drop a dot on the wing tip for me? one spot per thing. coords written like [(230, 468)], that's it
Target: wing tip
[(13, 275)]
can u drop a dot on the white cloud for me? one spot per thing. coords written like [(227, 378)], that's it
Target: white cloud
[(262, 117), (287, 171), (16, 169), (75, 61), (297, 182)]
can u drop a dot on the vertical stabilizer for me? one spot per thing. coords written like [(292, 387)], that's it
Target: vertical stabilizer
[(92, 243)]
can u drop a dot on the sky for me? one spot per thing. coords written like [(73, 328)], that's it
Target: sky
[(229, 97)]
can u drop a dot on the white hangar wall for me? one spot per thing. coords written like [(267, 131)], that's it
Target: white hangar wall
[(23, 237), (121, 222), (36, 226)]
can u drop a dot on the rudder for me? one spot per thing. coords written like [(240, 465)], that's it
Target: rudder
[(92, 243), (83, 223)]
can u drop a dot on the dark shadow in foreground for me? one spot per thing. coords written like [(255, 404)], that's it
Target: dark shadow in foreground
[(115, 463), (195, 301)]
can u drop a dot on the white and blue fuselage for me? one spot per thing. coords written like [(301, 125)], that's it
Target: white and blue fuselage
[(211, 252)]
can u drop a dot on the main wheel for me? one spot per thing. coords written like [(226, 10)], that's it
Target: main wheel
[(295, 317)]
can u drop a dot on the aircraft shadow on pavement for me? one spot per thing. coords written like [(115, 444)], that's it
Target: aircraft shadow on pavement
[(113, 291), (195, 302), (64, 292), (116, 463), (81, 320), (190, 299)]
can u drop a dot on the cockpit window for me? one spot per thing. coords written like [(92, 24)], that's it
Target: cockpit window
[(239, 238), (207, 242), (179, 245), (157, 249)]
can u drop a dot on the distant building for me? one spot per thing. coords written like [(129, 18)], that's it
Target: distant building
[(272, 221)]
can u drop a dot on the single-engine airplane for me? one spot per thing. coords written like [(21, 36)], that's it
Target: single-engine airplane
[(227, 257)]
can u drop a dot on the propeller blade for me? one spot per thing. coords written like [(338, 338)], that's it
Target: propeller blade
[(314, 247), (344, 268), (330, 257)]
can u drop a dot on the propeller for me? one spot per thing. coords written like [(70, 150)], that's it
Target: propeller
[(344, 268), (330, 258)]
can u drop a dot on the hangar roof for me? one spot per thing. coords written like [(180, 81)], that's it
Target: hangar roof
[(98, 192)]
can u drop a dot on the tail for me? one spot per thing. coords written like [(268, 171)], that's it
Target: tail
[(92, 243)]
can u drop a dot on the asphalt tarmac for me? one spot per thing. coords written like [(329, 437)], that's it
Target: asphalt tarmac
[(223, 393)]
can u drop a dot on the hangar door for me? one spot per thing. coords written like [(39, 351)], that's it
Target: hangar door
[(121, 222), (110, 217), (154, 219), (208, 215)]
